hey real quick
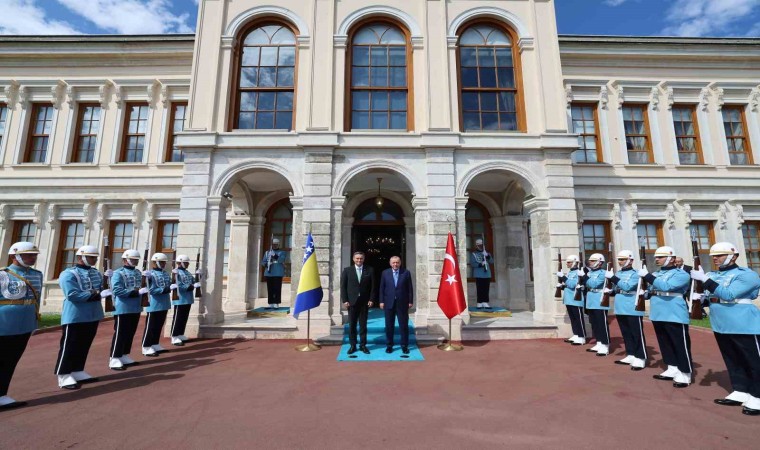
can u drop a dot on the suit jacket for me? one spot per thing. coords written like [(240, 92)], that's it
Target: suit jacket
[(402, 292), (352, 290)]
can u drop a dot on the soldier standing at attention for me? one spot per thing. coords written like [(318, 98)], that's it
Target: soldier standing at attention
[(574, 307), (631, 321), (126, 290), (185, 286), (735, 320), (159, 285), (20, 287), (594, 282), (480, 261), (82, 312), (274, 270)]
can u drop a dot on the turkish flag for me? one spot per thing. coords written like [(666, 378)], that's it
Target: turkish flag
[(451, 292)]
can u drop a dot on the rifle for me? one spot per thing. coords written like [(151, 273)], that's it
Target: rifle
[(145, 299), (175, 292), (269, 254), (641, 296), (558, 291), (109, 307), (197, 278), (696, 286), (607, 283), (579, 287), (484, 252)]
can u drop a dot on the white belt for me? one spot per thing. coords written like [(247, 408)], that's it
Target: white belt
[(595, 290), (667, 294), (740, 301), (627, 292)]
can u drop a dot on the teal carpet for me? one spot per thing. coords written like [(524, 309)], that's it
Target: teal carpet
[(376, 342)]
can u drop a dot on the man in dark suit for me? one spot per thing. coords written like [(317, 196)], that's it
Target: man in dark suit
[(396, 297), (357, 289)]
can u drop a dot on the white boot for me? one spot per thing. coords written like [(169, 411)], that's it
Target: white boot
[(671, 372), (682, 379), (5, 400), (67, 381), (752, 403), (127, 360), (604, 350), (81, 376), (158, 348), (596, 346), (177, 341), (149, 351), (637, 364), (580, 341), (115, 364), (627, 360), (183, 338), (487, 305), (738, 396)]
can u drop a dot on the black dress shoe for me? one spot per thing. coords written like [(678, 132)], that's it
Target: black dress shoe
[(364, 349), (122, 368), (405, 350), (89, 380), (13, 405), (750, 412), (680, 385), (352, 350), (179, 344), (575, 343), (727, 402), (71, 387), (152, 355), (660, 377), (636, 369), (568, 340), (602, 354), (388, 349), (590, 350), (622, 363)]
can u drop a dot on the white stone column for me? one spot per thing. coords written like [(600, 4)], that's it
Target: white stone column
[(340, 244), (214, 255), (238, 274), (517, 298), (254, 258), (422, 292)]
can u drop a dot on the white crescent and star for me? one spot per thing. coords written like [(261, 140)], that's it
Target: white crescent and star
[(451, 279)]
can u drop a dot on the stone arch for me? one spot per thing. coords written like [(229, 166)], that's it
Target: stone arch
[(225, 180), (261, 208), (342, 181), (489, 11), (532, 184), (267, 11), (383, 11), (350, 207), (494, 210), (513, 201)]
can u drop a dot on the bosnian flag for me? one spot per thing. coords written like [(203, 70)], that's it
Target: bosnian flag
[(309, 287), (451, 292)]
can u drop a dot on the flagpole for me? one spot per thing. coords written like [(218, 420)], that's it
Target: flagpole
[(308, 346), (448, 346)]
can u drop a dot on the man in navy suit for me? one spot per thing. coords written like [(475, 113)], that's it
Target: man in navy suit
[(396, 298), (357, 290)]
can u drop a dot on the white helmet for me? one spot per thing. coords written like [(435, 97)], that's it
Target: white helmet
[(159, 257), (23, 248), (723, 248), (130, 254), (88, 250), (596, 260), (478, 241), (665, 251), (274, 241), (572, 259), (625, 254), (183, 258)]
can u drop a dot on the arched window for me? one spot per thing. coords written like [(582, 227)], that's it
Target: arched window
[(489, 79), (368, 213), (265, 87), (279, 225), (477, 226), (379, 96)]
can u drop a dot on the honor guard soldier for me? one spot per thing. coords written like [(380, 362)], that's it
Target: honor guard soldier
[(185, 286), (82, 312), (735, 320), (597, 314), (20, 287), (480, 261), (574, 307), (125, 285), (159, 285), (631, 322), (670, 316), (274, 270)]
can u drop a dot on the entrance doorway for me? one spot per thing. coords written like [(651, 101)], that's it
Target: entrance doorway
[(379, 233)]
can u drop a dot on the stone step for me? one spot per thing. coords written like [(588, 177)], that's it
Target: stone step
[(490, 330)]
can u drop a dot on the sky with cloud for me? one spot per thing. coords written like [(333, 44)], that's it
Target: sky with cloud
[(618, 17)]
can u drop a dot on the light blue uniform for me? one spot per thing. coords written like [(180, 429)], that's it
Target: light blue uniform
[(568, 293), (478, 269), (669, 308), (18, 318), (185, 282), (79, 283), (728, 316), (594, 287), (626, 281), (277, 268), (159, 283), (123, 284)]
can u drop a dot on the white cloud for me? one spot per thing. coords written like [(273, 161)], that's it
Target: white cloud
[(707, 17), (614, 2), (25, 17), (131, 16)]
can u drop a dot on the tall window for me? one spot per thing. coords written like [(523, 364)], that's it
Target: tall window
[(279, 225), (23, 231), (135, 128), (477, 226), (637, 140), (650, 236), (703, 233), (687, 134), (177, 124), (88, 125), (596, 239), (40, 127), (3, 120), (751, 233), (735, 125), (167, 239), (379, 79), (120, 239), (585, 126), (266, 81), (489, 80), (72, 237)]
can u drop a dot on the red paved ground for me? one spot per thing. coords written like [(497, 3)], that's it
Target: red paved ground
[(258, 394)]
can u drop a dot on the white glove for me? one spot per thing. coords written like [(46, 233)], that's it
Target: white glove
[(198, 272), (697, 297), (698, 274), (643, 272), (609, 274), (144, 291), (607, 291), (106, 293), (560, 274), (197, 285), (641, 292), (559, 285), (485, 254), (147, 274), (174, 271), (109, 273), (173, 287)]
